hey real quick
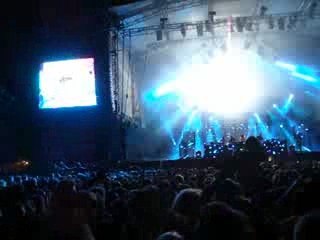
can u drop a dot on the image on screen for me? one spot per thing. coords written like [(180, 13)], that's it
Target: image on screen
[(68, 83)]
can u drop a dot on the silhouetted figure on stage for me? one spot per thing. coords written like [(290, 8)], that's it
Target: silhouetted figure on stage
[(198, 154), (246, 164), (242, 138), (260, 138), (298, 137), (223, 140)]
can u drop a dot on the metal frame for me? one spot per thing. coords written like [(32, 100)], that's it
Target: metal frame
[(126, 33), (156, 9), (219, 23)]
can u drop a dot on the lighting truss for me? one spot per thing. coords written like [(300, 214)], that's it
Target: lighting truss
[(153, 10), (218, 23)]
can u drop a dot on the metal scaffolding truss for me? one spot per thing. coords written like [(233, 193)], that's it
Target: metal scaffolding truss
[(114, 71), (156, 9), (121, 35), (218, 23)]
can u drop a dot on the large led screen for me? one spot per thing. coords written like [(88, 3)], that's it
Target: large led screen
[(68, 83)]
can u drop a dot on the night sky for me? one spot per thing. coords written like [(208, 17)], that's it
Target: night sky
[(24, 24), (18, 19)]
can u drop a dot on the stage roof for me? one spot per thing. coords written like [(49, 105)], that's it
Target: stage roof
[(301, 43)]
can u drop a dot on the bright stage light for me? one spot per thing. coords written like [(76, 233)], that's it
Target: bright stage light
[(224, 86)]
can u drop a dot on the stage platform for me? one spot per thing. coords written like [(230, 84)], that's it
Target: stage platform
[(304, 157)]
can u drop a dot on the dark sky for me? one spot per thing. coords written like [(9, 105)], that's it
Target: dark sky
[(24, 22), (17, 21)]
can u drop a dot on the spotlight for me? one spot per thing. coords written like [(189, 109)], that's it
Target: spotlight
[(183, 30), (167, 35), (271, 23), (163, 22), (263, 11), (249, 26), (281, 126), (159, 35), (200, 30), (211, 15), (292, 22), (231, 28), (239, 24), (281, 23), (312, 9), (209, 27), (275, 106)]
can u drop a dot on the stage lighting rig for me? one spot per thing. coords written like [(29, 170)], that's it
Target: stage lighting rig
[(312, 9), (209, 26), (200, 30), (271, 23), (163, 22), (281, 23), (292, 22), (159, 32), (211, 16), (183, 30), (263, 11), (249, 26), (159, 35), (239, 24)]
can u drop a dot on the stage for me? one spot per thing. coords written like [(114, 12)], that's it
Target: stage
[(305, 159), (195, 81)]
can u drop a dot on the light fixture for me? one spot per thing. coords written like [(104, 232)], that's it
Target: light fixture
[(209, 26), (183, 30), (200, 30), (263, 11), (271, 23), (159, 35), (163, 22), (248, 26), (312, 9), (239, 24), (211, 15), (292, 22), (281, 23)]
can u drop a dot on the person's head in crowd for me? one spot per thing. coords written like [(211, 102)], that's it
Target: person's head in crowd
[(64, 195), (186, 208), (307, 227), (307, 200), (179, 179), (253, 145), (170, 236), (228, 190), (31, 185), (86, 205), (219, 221)]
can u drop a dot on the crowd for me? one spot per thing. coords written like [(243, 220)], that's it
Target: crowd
[(245, 198)]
